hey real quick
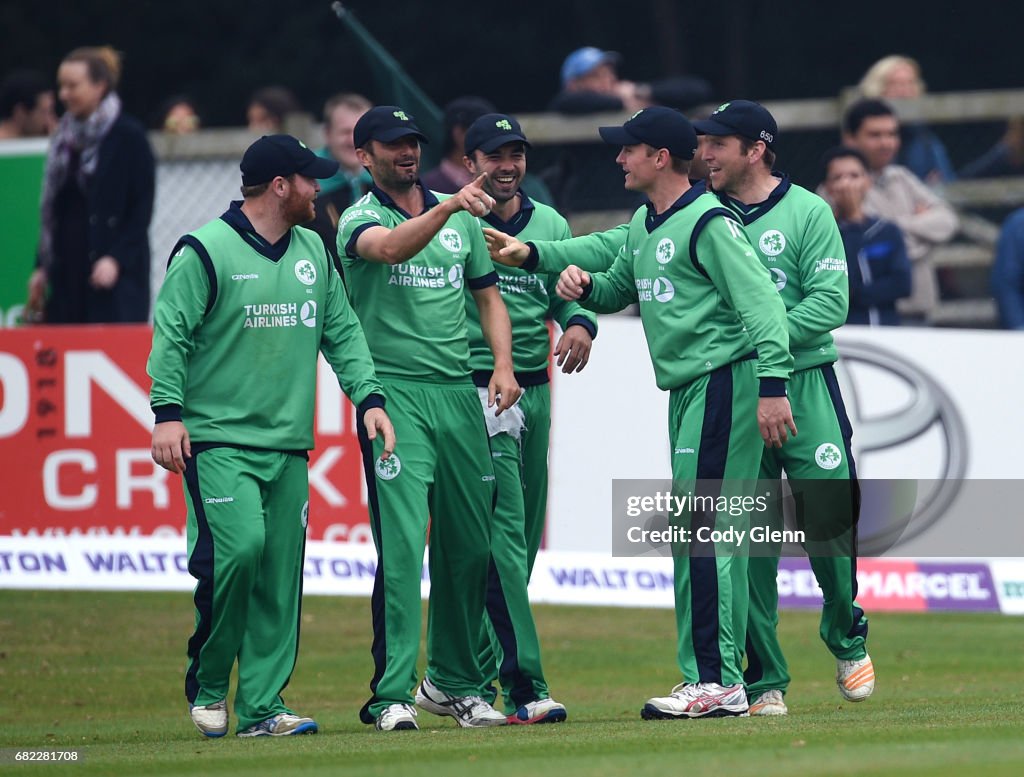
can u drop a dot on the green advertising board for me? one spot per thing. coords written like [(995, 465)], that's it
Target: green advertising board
[(21, 170)]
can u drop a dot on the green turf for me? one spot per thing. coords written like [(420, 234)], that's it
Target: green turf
[(103, 672)]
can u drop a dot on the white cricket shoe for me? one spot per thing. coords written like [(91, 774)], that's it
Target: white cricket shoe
[(211, 719), (539, 711), (769, 703), (468, 711), (397, 717), (698, 700), (283, 724), (856, 679)]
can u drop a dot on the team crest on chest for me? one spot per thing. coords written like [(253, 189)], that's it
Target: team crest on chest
[(450, 239), (665, 251), (305, 271), (772, 243)]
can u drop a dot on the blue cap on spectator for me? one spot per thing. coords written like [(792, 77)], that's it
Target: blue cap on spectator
[(583, 60), (746, 118), (385, 123), (658, 127), (284, 155), (492, 131)]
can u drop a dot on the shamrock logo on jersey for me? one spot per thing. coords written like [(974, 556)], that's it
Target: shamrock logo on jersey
[(305, 272), (665, 251), (388, 469), (828, 456), (400, 115), (503, 124), (772, 243), (450, 239)]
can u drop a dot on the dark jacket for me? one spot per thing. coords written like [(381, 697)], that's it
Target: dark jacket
[(118, 206), (876, 259)]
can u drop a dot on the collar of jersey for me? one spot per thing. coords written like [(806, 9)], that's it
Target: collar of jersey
[(518, 222), (237, 220), (429, 200), (748, 214), (655, 220)]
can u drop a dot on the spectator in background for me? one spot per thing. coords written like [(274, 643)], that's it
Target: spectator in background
[(1006, 157), (268, 109), (27, 106), (352, 181), (179, 115), (451, 174), (97, 202), (899, 196), (898, 77), (591, 84), (1008, 272), (876, 256)]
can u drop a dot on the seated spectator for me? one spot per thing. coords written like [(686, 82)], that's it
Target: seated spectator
[(179, 116), (1008, 272), (591, 84), (352, 181), (1006, 157), (26, 106), (898, 77), (268, 109), (899, 196), (876, 257)]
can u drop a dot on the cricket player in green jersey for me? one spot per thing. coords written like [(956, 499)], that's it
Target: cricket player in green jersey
[(495, 145), (409, 256), (252, 294), (717, 337), (797, 239)]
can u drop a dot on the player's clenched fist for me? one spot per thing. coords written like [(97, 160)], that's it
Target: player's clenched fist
[(571, 283)]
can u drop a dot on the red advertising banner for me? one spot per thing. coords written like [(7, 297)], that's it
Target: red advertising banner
[(75, 429)]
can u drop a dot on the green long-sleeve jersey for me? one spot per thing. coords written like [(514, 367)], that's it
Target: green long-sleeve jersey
[(705, 301), (414, 312), (237, 328), (530, 298), (796, 237)]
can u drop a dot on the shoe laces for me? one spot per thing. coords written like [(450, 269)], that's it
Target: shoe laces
[(770, 697)]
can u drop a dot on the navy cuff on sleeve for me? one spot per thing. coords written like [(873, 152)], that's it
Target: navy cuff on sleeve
[(372, 401), (586, 323), (491, 279), (167, 413), (532, 260), (587, 288), (773, 387)]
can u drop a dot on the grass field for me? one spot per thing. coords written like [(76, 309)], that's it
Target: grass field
[(103, 672)]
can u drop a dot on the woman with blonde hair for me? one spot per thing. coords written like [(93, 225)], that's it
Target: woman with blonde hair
[(898, 77), (93, 261)]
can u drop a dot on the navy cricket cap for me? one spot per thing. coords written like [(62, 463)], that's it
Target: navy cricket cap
[(741, 117), (284, 155), (582, 61), (385, 123), (658, 127), (492, 131)]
